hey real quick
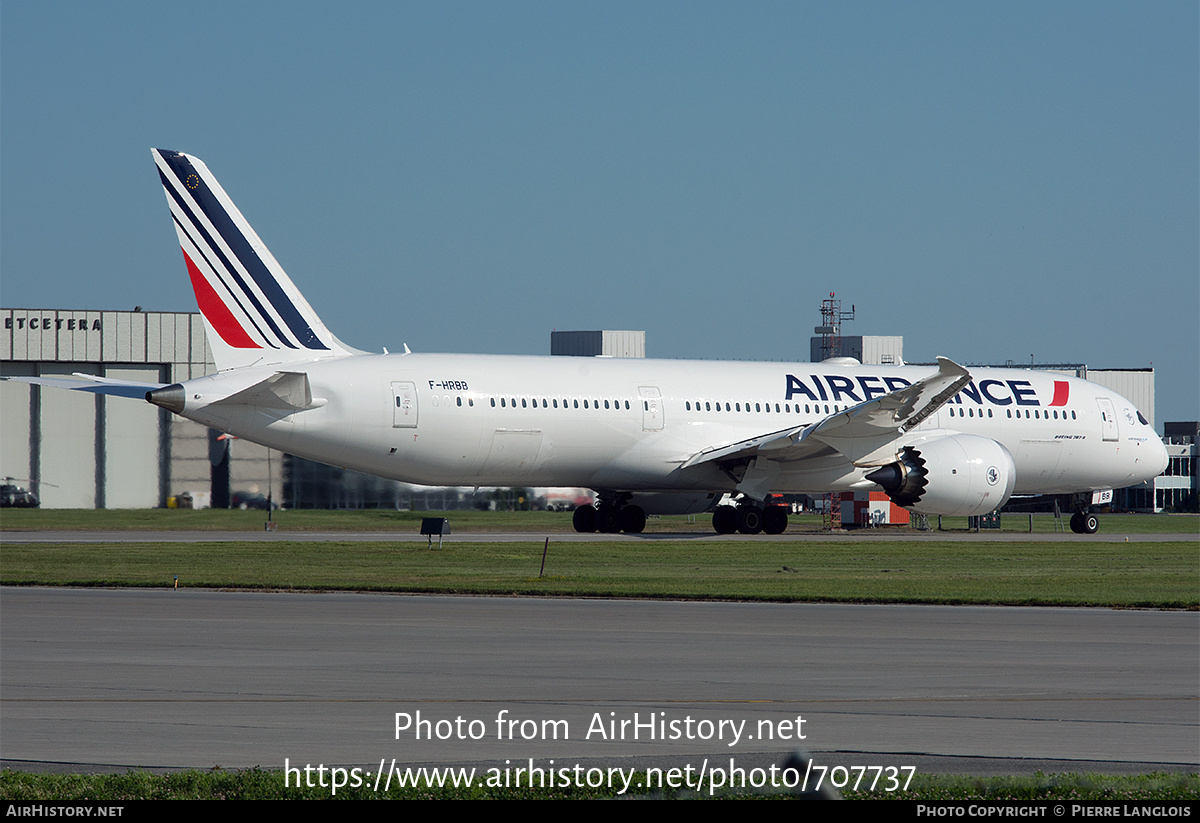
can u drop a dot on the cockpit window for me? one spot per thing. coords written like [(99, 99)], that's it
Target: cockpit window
[(1143, 420)]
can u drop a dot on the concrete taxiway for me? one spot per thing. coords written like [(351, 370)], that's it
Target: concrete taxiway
[(102, 679), (871, 535)]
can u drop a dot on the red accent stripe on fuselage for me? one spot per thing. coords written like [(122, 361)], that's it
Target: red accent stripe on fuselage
[(1061, 389)]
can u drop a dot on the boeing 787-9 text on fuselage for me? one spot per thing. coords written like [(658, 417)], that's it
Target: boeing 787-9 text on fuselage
[(649, 436)]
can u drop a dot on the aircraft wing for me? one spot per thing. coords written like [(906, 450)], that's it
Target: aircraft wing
[(865, 434), (93, 384)]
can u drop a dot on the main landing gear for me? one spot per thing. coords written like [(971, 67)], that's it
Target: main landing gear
[(749, 518), (609, 518), (613, 515)]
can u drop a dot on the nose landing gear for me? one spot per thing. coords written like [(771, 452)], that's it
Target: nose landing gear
[(1083, 522)]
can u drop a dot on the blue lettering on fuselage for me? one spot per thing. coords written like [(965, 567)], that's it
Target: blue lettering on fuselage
[(984, 388), (796, 386), (970, 391), (870, 392), (998, 393), (842, 388), (1023, 393)]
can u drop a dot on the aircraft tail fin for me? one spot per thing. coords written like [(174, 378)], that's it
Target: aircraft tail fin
[(253, 313)]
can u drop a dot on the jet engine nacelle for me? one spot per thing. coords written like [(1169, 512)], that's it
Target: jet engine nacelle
[(959, 474)]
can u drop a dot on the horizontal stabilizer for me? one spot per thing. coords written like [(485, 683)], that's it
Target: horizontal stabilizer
[(93, 384)]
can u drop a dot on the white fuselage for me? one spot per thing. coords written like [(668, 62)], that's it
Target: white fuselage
[(603, 423)]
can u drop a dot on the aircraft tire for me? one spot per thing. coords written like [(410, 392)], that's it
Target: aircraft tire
[(1088, 524), (725, 520), (608, 519), (584, 519), (775, 519), (1077, 523), (750, 519), (633, 519)]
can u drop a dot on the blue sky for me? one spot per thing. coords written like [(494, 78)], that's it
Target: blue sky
[(993, 181)]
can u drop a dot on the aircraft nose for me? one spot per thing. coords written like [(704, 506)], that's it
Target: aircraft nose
[(1163, 457)]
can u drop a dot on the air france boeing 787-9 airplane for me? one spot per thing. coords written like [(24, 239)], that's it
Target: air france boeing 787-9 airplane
[(649, 436)]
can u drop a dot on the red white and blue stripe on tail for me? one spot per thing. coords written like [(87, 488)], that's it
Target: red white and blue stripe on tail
[(253, 312)]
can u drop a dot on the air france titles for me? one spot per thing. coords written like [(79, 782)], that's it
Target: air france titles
[(838, 388), (652, 727)]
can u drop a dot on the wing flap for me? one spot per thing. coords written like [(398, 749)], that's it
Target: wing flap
[(772, 441)]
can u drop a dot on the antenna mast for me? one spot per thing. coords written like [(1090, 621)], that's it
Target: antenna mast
[(831, 326)]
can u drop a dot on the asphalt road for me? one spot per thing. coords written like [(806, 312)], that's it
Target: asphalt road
[(110, 679)]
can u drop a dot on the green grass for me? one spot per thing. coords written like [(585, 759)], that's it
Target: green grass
[(386, 520), (1127, 575), (259, 784)]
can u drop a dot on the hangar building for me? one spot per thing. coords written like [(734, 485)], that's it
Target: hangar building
[(81, 450)]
